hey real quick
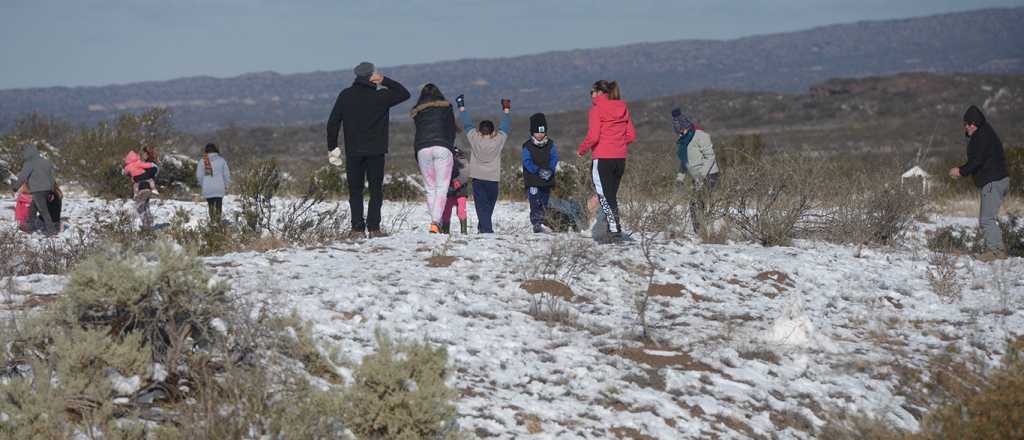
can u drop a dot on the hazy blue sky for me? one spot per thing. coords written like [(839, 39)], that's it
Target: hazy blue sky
[(94, 42)]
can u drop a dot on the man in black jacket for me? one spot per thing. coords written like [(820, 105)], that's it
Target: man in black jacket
[(987, 163), (363, 110)]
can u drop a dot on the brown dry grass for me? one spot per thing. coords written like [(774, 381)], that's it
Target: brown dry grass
[(968, 206)]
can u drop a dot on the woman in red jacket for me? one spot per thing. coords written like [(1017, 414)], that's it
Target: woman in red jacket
[(608, 137)]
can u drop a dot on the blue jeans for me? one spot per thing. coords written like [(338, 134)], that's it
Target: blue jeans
[(539, 197), (485, 196)]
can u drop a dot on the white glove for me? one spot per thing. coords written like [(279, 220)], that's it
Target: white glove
[(680, 177), (334, 157)]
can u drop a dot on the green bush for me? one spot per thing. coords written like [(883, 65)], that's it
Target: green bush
[(400, 393), (257, 187)]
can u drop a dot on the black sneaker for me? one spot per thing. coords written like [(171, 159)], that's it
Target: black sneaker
[(537, 229)]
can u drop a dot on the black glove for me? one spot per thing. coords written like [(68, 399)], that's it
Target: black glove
[(460, 101)]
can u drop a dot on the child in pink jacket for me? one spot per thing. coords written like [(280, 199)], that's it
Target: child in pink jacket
[(140, 172)]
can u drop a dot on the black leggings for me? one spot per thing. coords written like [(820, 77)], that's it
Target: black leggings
[(214, 206), (607, 174)]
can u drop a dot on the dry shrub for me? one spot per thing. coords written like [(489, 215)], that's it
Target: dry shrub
[(769, 200), (257, 187), (943, 278), (565, 259), (868, 207), (24, 256), (958, 239), (400, 393), (552, 310), (302, 222)]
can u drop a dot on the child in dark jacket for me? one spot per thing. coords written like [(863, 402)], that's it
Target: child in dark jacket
[(540, 161), (458, 191)]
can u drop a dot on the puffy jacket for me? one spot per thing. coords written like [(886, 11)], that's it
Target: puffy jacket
[(36, 173), (610, 129), (134, 166), (363, 110), (435, 125), (700, 156), (215, 183), (460, 173), (986, 160)]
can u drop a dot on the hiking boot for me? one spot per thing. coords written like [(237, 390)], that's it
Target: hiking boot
[(446, 228), (537, 229), (377, 233), (989, 256), (463, 227), (435, 229), (356, 234)]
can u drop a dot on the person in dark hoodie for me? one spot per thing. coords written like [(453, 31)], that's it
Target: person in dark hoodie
[(540, 161), (37, 175), (433, 145), (363, 111), (458, 192), (986, 162)]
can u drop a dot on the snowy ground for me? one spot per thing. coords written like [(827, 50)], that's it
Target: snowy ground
[(753, 342)]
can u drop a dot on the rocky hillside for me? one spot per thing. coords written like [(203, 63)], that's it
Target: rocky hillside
[(985, 41)]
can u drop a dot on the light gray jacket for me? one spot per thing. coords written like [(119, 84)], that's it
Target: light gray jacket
[(700, 156), (37, 172), (214, 184), (485, 156)]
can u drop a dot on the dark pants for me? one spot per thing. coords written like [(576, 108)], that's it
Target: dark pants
[(485, 196), (539, 197), (149, 174), (43, 207), (701, 192), (607, 174), (360, 171), (215, 206)]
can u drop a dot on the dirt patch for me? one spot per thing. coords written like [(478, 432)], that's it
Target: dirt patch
[(658, 358), (738, 426), (780, 281), (440, 261), (762, 355), (622, 432), (791, 419), (379, 249), (33, 301), (670, 290), (553, 288), (531, 421), (650, 379)]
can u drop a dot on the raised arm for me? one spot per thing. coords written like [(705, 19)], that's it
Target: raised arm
[(396, 92), (506, 123)]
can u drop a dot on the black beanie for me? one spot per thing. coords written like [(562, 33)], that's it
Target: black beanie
[(538, 123), (974, 116)]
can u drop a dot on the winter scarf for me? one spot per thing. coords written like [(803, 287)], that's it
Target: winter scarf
[(206, 165), (681, 144)]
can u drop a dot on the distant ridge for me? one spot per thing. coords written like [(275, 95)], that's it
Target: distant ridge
[(984, 41)]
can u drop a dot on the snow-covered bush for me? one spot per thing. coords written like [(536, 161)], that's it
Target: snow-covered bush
[(400, 393), (152, 337)]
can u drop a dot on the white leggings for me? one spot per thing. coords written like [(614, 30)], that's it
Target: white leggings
[(436, 167)]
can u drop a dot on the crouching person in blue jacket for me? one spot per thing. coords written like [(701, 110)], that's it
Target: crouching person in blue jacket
[(540, 161)]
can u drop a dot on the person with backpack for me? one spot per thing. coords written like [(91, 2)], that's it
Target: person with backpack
[(485, 145), (986, 162), (609, 133), (214, 176), (37, 177), (540, 162), (363, 110), (696, 156), (433, 145)]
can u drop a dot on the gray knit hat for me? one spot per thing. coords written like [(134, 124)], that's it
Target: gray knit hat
[(364, 69)]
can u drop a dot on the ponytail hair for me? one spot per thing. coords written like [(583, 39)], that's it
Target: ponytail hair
[(610, 88)]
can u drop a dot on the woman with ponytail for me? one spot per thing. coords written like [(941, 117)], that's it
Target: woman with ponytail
[(213, 176), (609, 134)]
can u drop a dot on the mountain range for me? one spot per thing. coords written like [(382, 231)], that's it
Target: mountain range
[(984, 41)]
